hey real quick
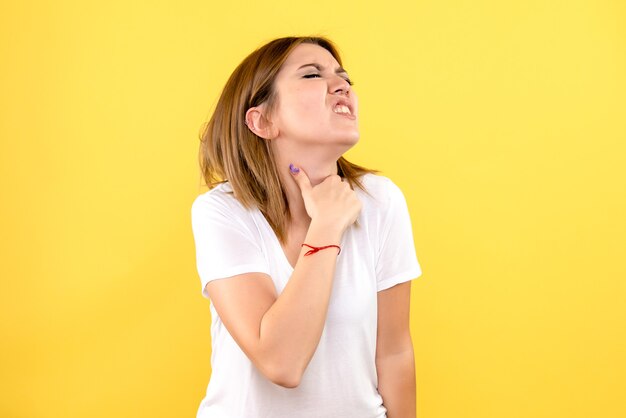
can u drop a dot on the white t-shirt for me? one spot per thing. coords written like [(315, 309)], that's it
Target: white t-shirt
[(341, 379)]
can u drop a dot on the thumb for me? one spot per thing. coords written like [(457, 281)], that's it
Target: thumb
[(301, 178)]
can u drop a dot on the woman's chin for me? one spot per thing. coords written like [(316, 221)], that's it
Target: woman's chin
[(353, 137), (349, 141)]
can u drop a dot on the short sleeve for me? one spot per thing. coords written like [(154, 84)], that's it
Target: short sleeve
[(225, 246), (397, 261)]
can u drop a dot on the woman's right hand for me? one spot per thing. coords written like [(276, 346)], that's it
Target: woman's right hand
[(332, 201)]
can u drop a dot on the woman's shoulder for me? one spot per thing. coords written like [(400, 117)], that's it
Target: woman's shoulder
[(220, 197), (379, 187), (376, 180)]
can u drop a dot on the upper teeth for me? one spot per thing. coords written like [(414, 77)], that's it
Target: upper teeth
[(341, 109)]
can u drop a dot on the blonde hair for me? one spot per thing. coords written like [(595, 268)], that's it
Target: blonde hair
[(229, 151)]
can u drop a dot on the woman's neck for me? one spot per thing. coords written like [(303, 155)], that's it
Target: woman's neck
[(316, 172)]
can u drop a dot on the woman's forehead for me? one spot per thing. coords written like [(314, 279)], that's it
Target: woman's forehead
[(310, 54)]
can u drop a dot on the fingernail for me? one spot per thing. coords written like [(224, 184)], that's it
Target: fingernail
[(294, 169)]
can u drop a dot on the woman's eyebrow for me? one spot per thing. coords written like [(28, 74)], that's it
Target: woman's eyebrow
[(320, 68)]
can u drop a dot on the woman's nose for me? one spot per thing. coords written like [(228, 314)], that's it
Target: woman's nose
[(342, 88)]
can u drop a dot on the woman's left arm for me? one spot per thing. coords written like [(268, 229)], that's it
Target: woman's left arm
[(395, 362)]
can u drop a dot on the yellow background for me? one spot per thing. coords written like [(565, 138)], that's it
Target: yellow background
[(502, 122)]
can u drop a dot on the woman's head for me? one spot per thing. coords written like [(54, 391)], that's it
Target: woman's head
[(313, 107), (280, 102)]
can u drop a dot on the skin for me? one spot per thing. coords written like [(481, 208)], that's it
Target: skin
[(305, 131)]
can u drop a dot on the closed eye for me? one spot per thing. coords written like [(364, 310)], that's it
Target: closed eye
[(317, 75)]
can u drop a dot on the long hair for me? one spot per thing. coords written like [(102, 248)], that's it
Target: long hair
[(229, 151)]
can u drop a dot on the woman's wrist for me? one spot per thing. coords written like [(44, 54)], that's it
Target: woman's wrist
[(323, 233), (329, 227)]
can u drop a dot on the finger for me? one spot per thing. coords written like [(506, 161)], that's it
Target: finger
[(301, 178)]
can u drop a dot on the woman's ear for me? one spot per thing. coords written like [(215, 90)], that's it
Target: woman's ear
[(259, 124)]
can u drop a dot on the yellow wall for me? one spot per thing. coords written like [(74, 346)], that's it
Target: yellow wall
[(503, 123)]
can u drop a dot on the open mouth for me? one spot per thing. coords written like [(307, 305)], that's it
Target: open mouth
[(343, 110)]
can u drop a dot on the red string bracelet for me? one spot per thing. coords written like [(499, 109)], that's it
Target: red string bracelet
[(316, 249)]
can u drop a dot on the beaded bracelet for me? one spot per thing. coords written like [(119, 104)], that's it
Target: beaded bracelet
[(316, 249)]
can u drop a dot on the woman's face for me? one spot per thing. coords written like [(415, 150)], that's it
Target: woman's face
[(308, 96)]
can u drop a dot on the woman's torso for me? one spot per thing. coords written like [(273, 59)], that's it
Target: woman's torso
[(341, 378)]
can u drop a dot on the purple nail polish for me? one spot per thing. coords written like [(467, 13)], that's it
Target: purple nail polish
[(294, 169)]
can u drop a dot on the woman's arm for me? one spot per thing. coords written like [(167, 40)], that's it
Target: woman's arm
[(395, 362), (280, 333)]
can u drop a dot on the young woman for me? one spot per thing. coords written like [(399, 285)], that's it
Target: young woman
[(306, 257)]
